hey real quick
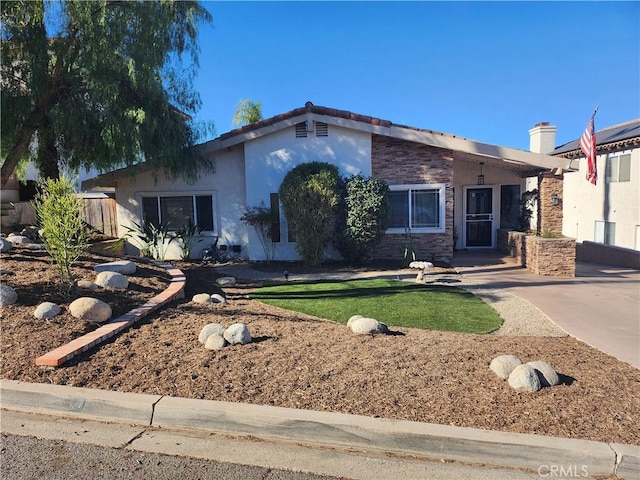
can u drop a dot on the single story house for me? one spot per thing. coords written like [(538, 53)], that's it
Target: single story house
[(443, 187)]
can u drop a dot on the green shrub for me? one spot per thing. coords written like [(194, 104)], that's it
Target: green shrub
[(363, 218), (188, 236), (60, 215), (310, 193), (153, 238), (259, 217)]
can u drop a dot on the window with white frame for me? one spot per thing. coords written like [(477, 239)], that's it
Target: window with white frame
[(604, 232), (176, 211), (619, 168), (420, 208)]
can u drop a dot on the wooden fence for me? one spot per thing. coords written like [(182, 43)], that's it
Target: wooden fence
[(100, 213)]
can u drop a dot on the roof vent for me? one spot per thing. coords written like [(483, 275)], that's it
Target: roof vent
[(322, 129), (301, 130)]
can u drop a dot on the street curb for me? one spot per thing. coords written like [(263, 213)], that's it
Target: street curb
[(327, 429)]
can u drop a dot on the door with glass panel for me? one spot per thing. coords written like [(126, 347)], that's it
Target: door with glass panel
[(479, 217)]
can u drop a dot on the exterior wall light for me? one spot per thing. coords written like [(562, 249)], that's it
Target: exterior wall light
[(554, 199), (481, 176)]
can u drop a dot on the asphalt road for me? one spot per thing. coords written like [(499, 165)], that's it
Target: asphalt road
[(30, 458)]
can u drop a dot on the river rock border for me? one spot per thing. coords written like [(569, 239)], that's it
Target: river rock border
[(175, 290)]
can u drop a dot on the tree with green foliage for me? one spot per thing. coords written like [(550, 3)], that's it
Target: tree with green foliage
[(363, 219), (100, 85), (247, 112), (310, 194), (260, 219), (59, 213)]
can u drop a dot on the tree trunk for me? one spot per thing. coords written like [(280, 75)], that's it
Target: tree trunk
[(47, 151), (17, 152)]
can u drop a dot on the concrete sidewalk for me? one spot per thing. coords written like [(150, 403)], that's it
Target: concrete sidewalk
[(319, 442), (599, 306)]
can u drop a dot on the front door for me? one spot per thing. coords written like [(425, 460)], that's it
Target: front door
[(479, 217)]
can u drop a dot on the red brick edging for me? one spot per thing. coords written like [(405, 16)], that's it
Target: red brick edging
[(62, 354)]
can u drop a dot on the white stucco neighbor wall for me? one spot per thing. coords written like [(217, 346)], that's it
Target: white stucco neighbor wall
[(226, 185), (269, 158), (617, 202)]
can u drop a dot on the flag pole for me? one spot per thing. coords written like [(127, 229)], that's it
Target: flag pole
[(595, 111)]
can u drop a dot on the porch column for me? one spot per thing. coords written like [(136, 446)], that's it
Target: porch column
[(550, 194)]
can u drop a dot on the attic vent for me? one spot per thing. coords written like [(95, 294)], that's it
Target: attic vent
[(322, 129), (301, 130)]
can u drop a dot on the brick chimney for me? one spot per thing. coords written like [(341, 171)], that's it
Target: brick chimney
[(542, 138)]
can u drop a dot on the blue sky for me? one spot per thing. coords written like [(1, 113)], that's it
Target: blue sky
[(488, 71)]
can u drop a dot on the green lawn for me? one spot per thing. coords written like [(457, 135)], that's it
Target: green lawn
[(393, 302)]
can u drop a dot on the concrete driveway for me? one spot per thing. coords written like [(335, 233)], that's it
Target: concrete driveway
[(600, 305)]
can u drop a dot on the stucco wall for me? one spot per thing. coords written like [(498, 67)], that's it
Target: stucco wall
[(226, 184), (617, 202), (269, 158)]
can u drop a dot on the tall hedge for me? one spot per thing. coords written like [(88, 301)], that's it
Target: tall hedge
[(363, 218), (310, 194)]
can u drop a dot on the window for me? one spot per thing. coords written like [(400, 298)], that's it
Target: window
[(176, 211), (605, 232), (619, 168), (417, 207), (510, 207), (274, 202)]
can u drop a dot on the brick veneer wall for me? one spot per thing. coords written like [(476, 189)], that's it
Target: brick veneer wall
[(400, 162), (543, 256), (550, 215)]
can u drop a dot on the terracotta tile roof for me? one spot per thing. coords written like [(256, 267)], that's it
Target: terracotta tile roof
[(331, 112)]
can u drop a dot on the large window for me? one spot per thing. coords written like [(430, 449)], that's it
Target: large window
[(619, 168), (176, 211), (417, 207)]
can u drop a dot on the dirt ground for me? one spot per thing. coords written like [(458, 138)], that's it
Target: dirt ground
[(309, 363)]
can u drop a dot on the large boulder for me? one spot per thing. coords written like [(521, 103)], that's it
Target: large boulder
[(5, 245), (8, 295), (238, 333), (18, 239), (90, 309), (367, 326), (208, 330), (215, 341), (114, 280), (226, 281), (217, 298), (503, 365), (47, 310), (546, 373), (353, 319), (524, 378), (125, 267), (201, 298)]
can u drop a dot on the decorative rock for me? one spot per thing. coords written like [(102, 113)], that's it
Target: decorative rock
[(215, 342), (47, 310), (35, 246), (208, 330), (18, 239), (353, 319), (367, 326), (226, 281), (217, 298), (125, 267), (5, 245), (8, 295), (201, 298), (546, 373), (87, 284), (503, 365), (90, 309), (113, 280), (524, 379), (238, 333)]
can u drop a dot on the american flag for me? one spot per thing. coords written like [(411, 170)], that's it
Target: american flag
[(588, 146)]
